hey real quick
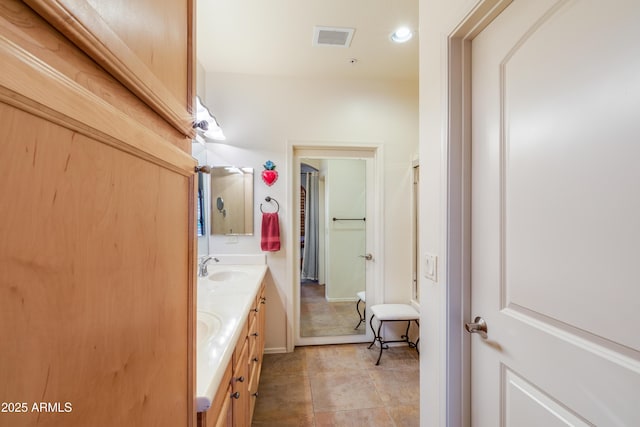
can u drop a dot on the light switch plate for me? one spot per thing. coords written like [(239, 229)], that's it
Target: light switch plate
[(430, 267)]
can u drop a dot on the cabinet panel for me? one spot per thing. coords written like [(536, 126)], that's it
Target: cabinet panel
[(225, 416), (240, 384), (156, 31), (95, 280), (155, 60), (97, 255), (257, 352), (32, 34), (220, 413)]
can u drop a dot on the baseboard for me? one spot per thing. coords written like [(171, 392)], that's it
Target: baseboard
[(275, 350), (349, 299)]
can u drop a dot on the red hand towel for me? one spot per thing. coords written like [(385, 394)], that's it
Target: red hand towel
[(270, 232)]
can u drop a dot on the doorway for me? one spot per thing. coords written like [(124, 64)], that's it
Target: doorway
[(335, 198)]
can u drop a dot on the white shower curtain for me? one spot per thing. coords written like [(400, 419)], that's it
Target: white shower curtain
[(310, 251)]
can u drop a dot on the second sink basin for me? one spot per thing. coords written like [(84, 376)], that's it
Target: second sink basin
[(228, 275), (208, 326)]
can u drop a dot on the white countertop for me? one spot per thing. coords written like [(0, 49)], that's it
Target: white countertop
[(230, 301)]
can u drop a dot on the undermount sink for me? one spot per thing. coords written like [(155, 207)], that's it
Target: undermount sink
[(228, 275), (208, 326)]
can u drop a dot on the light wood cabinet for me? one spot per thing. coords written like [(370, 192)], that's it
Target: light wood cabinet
[(240, 385), (240, 390), (225, 416), (97, 249), (256, 345), (220, 414), (155, 60)]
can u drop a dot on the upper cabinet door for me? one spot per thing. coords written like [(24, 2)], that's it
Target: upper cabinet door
[(146, 44)]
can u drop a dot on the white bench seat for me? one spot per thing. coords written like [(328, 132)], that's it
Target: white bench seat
[(393, 313)]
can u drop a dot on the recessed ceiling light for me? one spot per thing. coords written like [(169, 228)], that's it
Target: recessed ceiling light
[(401, 35)]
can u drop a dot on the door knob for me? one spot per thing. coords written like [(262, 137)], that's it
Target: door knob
[(479, 326), (368, 257)]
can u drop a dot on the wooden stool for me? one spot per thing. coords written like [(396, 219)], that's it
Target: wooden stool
[(393, 313), (363, 316)]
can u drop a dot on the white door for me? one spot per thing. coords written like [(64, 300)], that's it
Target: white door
[(556, 215)]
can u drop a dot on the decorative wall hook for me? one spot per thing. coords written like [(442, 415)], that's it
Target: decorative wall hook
[(269, 175)]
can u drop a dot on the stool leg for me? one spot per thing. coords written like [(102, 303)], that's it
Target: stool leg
[(406, 333), (381, 342), (418, 340), (375, 337), (361, 316)]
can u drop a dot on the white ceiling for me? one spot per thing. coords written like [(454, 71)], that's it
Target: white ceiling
[(274, 37)]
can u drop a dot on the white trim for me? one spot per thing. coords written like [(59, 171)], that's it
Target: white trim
[(275, 350), (344, 299), (415, 233), (375, 233)]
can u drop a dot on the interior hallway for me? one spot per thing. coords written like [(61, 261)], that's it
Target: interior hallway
[(339, 385)]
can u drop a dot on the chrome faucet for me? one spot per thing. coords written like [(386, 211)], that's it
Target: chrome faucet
[(202, 266)]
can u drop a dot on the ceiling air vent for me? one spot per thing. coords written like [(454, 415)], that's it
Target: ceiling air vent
[(332, 36)]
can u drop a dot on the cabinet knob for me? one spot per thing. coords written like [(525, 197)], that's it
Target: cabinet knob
[(255, 359), (255, 394), (235, 395), (240, 379), (255, 334), (254, 309), (202, 169), (263, 300)]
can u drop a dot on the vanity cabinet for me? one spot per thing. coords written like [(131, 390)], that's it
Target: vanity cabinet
[(256, 344), (236, 397), (240, 384), (220, 414), (98, 247)]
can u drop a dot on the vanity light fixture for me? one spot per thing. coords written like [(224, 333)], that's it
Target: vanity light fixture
[(206, 124), (402, 35)]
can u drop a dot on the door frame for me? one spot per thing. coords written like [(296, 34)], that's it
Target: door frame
[(375, 230), (456, 356)]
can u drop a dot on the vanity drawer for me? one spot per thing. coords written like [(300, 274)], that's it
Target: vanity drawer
[(240, 389), (241, 341)]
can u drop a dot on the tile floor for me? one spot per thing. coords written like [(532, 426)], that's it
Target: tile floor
[(339, 385), (320, 318)]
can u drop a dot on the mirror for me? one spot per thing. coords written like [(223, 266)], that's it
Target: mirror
[(332, 246), (231, 200)]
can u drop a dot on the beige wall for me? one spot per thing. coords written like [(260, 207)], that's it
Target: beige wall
[(260, 115)]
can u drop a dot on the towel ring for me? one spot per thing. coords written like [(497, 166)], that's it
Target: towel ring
[(271, 199)]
